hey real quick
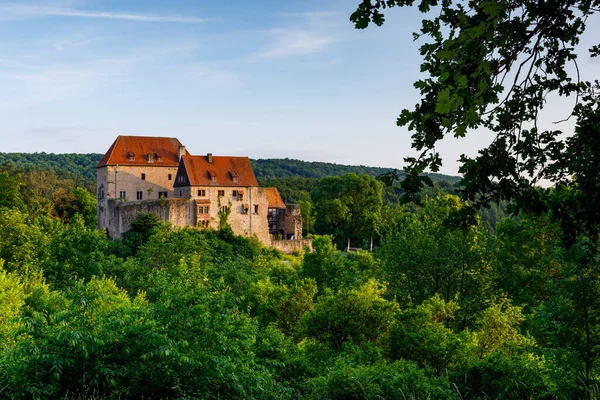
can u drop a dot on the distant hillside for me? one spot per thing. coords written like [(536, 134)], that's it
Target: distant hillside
[(78, 165), (288, 168), (83, 165)]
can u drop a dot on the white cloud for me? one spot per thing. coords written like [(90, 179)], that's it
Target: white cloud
[(294, 43), (20, 10)]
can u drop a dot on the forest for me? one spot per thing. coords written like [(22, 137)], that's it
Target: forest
[(435, 311), (485, 288)]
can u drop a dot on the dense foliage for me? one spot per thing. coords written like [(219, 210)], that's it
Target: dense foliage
[(434, 312), (76, 165), (494, 66)]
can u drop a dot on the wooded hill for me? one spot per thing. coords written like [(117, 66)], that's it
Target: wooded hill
[(83, 165)]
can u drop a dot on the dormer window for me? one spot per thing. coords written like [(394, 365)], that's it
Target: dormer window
[(158, 157), (234, 176), (150, 157), (213, 175), (131, 156)]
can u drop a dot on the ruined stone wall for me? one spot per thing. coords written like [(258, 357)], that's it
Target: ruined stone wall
[(291, 221), (179, 212), (290, 246)]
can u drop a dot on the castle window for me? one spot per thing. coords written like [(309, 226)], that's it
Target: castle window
[(221, 193), (203, 223), (131, 156), (245, 208), (138, 195), (224, 209), (123, 196), (100, 192), (234, 176), (256, 209), (150, 157), (158, 157), (143, 177), (201, 193), (162, 195), (170, 177), (234, 193), (203, 209)]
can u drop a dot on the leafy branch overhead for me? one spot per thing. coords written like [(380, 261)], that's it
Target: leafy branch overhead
[(492, 65)]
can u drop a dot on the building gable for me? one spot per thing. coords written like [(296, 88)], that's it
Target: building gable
[(181, 178)]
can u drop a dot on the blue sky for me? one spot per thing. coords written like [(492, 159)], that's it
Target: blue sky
[(267, 79)]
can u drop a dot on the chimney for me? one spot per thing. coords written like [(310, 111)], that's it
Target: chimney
[(209, 157), (180, 152)]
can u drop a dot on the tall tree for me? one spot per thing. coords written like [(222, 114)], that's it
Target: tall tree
[(348, 207), (493, 65)]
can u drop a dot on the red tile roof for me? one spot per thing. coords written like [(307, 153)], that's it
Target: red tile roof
[(133, 150), (223, 168), (274, 198)]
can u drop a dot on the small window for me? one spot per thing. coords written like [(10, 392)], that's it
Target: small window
[(180, 195), (158, 157), (150, 157), (123, 196), (203, 209), (213, 175), (143, 177), (224, 209), (203, 223), (138, 195), (234, 176), (131, 156), (234, 193), (170, 177), (162, 195), (256, 209), (201, 193), (245, 209), (221, 193)]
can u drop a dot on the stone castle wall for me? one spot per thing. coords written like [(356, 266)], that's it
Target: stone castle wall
[(111, 180), (291, 246)]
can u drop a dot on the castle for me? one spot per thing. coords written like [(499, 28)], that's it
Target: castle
[(158, 175)]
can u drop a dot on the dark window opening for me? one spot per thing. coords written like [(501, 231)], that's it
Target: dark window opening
[(170, 177), (203, 209), (143, 177), (138, 195)]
